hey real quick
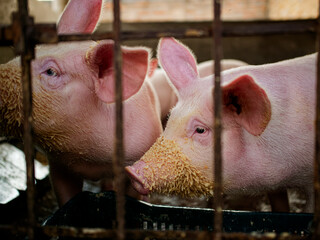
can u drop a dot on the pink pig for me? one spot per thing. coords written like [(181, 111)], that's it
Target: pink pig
[(268, 129), (74, 108)]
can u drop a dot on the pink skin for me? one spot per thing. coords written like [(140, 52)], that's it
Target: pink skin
[(83, 16), (74, 106), (268, 122)]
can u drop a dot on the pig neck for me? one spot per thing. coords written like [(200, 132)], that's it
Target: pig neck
[(289, 136)]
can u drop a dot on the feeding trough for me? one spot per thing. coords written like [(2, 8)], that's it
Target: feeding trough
[(98, 210)]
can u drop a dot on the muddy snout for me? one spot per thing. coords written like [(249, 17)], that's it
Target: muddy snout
[(165, 169)]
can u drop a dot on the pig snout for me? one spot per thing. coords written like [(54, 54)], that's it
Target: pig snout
[(137, 180), (165, 169)]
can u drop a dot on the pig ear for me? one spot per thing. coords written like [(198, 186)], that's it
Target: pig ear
[(134, 70), (249, 103), (178, 62), (80, 16)]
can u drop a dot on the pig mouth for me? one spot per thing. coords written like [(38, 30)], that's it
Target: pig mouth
[(136, 181)]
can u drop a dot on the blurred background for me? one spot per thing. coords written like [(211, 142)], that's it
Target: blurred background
[(167, 14), (178, 10)]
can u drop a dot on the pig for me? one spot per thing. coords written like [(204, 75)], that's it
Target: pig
[(268, 116), (74, 106)]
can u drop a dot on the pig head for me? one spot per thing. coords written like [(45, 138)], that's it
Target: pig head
[(268, 129), (74, 102)]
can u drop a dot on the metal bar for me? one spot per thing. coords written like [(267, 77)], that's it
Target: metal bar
[(316, 222), (94, 233), (119, 146), (27, 54), (218, 201), (153, 234), (46, 33), (268, 27)]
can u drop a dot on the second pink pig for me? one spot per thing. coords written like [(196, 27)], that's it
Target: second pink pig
[(268, 129)]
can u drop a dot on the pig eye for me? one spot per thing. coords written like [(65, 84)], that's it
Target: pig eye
[(200, 130), (201, 134), (51, 77), (51, 72)]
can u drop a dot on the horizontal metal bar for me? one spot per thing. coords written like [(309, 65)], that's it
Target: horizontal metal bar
[(140, 234), (269, 27), (156, 234), (46, 33)]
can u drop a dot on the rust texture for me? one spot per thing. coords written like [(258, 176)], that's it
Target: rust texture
[(316, 222), (217, 56), (118, 157), (27, 54)]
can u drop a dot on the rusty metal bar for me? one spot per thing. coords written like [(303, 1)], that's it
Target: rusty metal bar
[(27, 54), (316, 222), (217, 46), (46, 33), (95, 233), (119, 146)]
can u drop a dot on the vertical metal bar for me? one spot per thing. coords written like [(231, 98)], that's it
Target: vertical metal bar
[(27, 54), (316, 222), (119, 148), (217, 203)]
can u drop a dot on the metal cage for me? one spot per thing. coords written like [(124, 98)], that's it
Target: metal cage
[(24, 35)]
